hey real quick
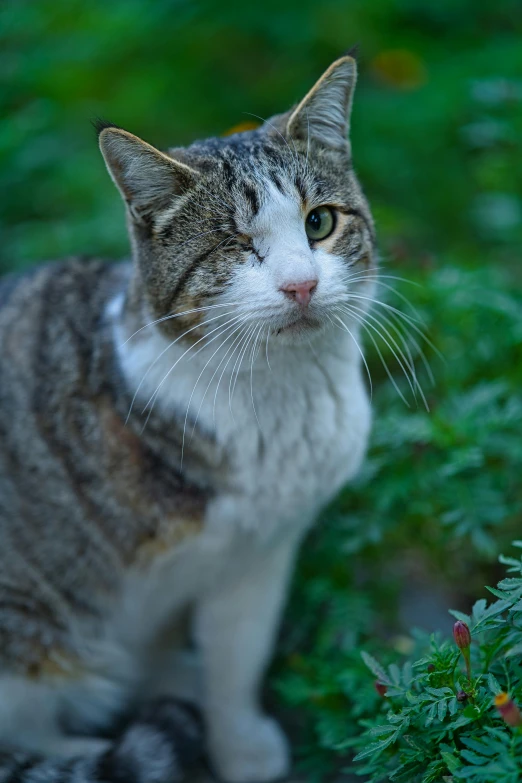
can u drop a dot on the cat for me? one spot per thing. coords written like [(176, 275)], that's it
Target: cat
[(170, 427)]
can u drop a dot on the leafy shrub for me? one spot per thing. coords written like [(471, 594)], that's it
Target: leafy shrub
[(440, 725)]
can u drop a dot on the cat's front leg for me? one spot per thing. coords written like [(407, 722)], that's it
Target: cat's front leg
[(235, 627)]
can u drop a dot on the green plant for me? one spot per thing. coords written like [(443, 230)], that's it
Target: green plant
[(440, 724)]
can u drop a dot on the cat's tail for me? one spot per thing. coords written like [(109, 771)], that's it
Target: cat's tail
[(159, 746)]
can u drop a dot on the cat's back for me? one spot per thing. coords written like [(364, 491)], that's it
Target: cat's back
[(51, 328), (51, 325), (51, 313)]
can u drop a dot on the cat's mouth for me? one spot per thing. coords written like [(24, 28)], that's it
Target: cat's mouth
[(304, 323)]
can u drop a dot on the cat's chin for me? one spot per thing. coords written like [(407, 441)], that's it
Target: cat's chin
[(299, 330)]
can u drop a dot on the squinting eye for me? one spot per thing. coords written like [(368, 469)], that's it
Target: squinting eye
[(319, 223)]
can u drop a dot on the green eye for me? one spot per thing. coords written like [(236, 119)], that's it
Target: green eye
[(319, 223)]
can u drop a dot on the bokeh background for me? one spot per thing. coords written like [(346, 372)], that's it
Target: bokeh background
[(437, 131)]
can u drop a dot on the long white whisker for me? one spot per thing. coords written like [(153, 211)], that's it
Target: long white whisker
[(360, 351), (384, 318), (409, 320), (235, 345), (252, 374), (197, 381), (239, 362), (178, 315), (392, 344), (352, 309), (397, 325), (417, 347), (388, 373), (266, 348), (390, 288), (220, 329), (376, 275), (243, 343), (197, 326)]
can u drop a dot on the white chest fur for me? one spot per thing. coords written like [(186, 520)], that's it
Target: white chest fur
[(293, 430), (294, 425)]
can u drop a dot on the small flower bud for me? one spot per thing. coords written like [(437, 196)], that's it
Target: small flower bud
[(381, 688), (462, 696), (461, 635), (508, 709), (431, 668)]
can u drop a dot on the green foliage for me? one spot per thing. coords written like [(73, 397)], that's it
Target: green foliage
[(432, 723), (427, 735), (436, 136)]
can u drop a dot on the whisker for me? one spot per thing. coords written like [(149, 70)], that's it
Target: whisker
[(397, 325), (204, 323), (221, 329), (196, 383), (358, 348), (239, 362), (242, 344), (392, 344), (381, 357), (417, 347), (378, 281), (252, 374), (266, 348), (178, 315), (409, 320), (376, 274), (235, 345)]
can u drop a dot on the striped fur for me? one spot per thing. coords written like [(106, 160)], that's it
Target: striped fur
[(159, 746), (170, 426)]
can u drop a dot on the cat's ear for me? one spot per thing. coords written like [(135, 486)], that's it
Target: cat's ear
[(324, 113), (147, 178)]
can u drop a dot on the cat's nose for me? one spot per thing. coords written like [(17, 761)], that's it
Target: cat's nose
[(300, 292)]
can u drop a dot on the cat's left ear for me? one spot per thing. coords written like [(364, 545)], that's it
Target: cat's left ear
[(324, 113)]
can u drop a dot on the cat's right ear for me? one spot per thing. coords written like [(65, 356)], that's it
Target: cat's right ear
[(147, 179)]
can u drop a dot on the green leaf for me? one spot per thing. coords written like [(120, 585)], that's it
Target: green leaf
[(376, 747), (377, 731), (395, 673), (442, 710), (464, 618), (453, 706), (472, 757), (451, 761), (493, 685), (471, 711), (495, 609), (375, 667), (431, 714)]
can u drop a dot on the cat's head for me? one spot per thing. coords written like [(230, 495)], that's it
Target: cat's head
[(268, 226)]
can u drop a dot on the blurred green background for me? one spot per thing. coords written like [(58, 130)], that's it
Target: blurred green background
[(437, 131), (436, 128)]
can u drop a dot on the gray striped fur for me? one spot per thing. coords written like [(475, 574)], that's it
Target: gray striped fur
[(95, 490)]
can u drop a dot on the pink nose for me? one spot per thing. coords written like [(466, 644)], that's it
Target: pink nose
[(301, 292)]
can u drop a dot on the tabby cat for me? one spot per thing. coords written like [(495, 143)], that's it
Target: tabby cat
[(170, 427)]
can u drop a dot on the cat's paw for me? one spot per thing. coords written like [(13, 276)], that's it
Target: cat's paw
[(251, 750)]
